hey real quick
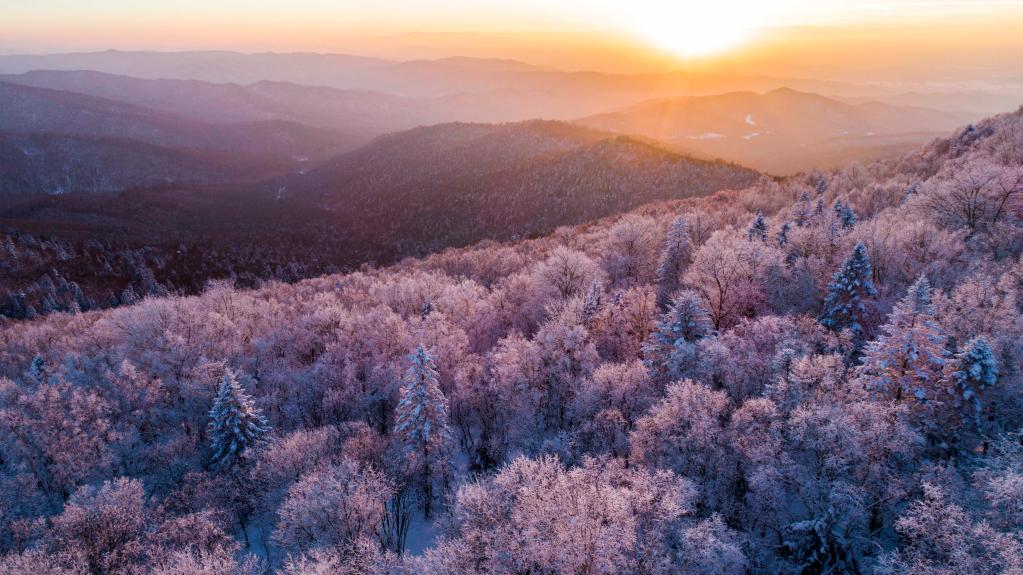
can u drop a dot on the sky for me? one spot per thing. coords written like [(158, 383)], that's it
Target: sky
[(655, 31)]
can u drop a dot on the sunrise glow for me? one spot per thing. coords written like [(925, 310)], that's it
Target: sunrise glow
[(690, 30)]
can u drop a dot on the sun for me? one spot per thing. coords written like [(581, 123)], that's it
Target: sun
[(693, 29)]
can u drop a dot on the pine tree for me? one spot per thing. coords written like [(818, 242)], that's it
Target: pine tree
[(128, 296), (844, 214), (673, 260), (236, 424), (843, 306), (783, 234), (421, 421), (973, 369), (838, 208), (907, 361), (801, 210), (757, 229), (37, 369), (427, 308), (672, 342)]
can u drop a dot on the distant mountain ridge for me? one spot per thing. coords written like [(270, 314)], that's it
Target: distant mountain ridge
[(58, 142), (42, 110), (412, 78), (781, 131)]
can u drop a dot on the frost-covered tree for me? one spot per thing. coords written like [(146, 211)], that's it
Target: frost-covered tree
[(539, 516), (686, 433), (971, 371), (801, 210), (106, 523), (757, 229), (734, 276), (236, 424), (671, 345), (672, 263), (421, 422), (36, 371), (783, 234), (593, 302), (334, 505), (906, 363), (943, 539), (849, 287), (630, 252), (844, 214)]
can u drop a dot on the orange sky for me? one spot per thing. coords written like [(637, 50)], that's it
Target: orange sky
[(639, 35)]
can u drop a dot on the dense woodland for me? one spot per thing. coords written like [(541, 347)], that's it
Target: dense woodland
[(470, 182), (820, 374)]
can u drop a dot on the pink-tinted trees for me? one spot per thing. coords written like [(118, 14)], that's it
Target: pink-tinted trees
[(944, 540), (335, 505), (685, 432), (600, 518), (732, 274)]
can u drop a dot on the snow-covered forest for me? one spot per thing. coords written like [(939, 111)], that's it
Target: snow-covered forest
[(817, 374)]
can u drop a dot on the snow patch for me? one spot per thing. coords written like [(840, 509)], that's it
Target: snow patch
[(749, 120), (707, 136)]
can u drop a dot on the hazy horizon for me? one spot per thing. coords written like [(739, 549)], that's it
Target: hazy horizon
[(855, 40)]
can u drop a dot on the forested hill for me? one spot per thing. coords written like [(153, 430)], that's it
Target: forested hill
[(822, 374), (407, 194), (453, 184)]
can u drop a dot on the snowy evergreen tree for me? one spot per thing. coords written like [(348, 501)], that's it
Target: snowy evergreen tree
[(236, 424), (421, 421), (672, 343), (843, 305), (673, 260), (844, 214), (783, 234), (36, 371), (822, 185), (801, 211), (128, 296), (973, 369), (757, 229), (907, 361)]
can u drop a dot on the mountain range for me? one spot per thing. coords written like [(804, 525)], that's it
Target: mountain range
[(781, 131)]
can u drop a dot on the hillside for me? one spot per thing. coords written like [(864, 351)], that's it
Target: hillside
[(56, 164), (406, 194), (356, 111), (782, 131), (835, 386), (454, 184), (30, 110)]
